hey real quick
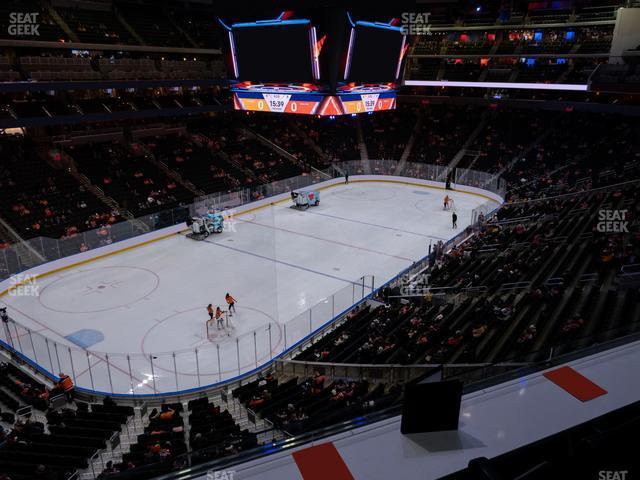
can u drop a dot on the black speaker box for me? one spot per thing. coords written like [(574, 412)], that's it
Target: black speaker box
[(431, 407)]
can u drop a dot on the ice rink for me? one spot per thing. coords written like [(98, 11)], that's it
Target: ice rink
[(134, 322)]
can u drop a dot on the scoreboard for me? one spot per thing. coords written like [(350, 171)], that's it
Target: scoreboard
[(302, 100), (367, 98), (276, 66), (298, 99)]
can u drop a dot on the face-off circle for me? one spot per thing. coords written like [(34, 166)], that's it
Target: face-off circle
[(98, 289)]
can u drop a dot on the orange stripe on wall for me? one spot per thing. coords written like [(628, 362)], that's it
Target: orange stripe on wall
[(322, 462), (576, 384)]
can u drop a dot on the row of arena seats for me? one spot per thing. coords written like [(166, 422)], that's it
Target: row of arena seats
[(214, 433), (84, 68), (161, 448), (585, 39), (56, 205), (501, 69), (54, 445), (18, 389), (103, 103), (300, 405)]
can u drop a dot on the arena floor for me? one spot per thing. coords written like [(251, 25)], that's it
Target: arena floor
[(136, 309)]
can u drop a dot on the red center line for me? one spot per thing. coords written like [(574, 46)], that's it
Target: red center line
[(88, 368)]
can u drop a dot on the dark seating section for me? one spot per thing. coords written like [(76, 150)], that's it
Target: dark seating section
[(128, 178), (299, 405), (196, 159), (579, 452), (18, 389), (156, 448), (387, 133), (248, 154), (7, 72), (58, 68), (97, 25), (533, 278), (334, 139), (443, 131), (48, 29), (280, 130), (518, 42), (503, 140), (38, 199), (153, 25), (214, 433), (65, 444), (599, 150)]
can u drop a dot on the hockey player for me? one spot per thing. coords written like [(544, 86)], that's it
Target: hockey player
[(219, 318), (231, 302), (446, 202)]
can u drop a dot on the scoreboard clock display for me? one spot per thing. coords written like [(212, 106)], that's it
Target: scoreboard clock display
[(275, 67), (304, 101), (297, 99)]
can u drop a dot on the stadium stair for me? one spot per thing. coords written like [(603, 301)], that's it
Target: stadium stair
[(151, 158), (127, 27), (484, 119), (27, 255), (99, 193), (249, 133), (362, 146), (412, 139), (308, 141), (61, 23)]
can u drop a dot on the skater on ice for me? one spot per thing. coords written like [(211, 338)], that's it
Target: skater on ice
[(231, 302), (219, 317)]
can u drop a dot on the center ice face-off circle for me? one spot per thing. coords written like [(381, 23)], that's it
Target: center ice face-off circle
[(98, 289)]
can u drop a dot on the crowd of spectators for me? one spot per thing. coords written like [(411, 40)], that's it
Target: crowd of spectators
[(298, 405), (543, 250), (43, 200), (127, 177), (336, 139), (387, 133), (443, 131)]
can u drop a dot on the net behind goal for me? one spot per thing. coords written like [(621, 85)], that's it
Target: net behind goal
[(216, 328)]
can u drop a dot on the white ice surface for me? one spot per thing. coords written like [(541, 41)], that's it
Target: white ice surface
[(277, 262)]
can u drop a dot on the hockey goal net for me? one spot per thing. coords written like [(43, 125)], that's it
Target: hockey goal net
[(218, 328)]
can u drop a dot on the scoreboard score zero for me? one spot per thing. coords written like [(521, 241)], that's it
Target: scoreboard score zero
[(270, 99)]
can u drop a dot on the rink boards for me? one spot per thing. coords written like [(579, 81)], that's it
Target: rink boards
[(129, 318)]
